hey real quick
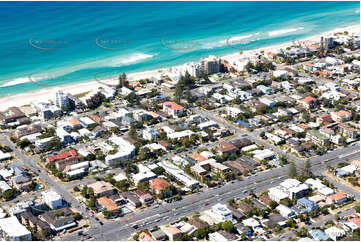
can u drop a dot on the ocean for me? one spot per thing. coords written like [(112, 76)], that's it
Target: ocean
[(44, 44)]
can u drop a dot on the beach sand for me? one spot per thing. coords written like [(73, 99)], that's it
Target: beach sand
[(76, 88)]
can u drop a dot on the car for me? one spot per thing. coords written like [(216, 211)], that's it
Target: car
[(206, 203), (245, 192)]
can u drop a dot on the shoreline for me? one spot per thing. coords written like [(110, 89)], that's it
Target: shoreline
[(81, 87)]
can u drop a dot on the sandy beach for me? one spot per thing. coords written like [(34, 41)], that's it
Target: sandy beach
[(76, 88)]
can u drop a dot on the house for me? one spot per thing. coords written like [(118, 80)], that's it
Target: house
[(159, 235), (341, 116), (172, 108), (276, 194), (131, 198), (347, 131), (309, 205), (171, 232), (149, 134), (59, 219), (335, 233), (13, 114), (338, 198), (144, 197), (308, 102), (225, 147), (241, 229), (12, 230), (274, 220), (61, 156), (29, 220), (220, 213), (265, 199), (52, 199), (285, 211), (143, 236), (264, 89), (107, 204), (102, 188), (222, 236), (144, 174), (345, 171), (20, 182), (233, 112), (318, 235), (198, 223), (324, 119), (158, 185), (251, 222)]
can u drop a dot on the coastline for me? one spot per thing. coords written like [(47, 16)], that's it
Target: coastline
[(81, 87)]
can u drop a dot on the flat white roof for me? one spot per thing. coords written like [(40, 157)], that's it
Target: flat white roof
[(12, 227)]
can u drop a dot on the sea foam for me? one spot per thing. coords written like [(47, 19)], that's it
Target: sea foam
[(284, 31)]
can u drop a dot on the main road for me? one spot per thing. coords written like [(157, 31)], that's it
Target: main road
[(155, 216)]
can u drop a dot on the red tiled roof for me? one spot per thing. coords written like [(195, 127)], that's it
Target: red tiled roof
[(143, 236), (338, 196), (70, 153), (199, 157), (159, 184), (74, 122), (308, 99), (355, 220), (173, 105), (108, 204), (96, 118)]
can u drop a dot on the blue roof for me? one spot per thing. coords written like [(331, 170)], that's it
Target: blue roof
[(245, 124), (307, 203), (263, 87), (318, 234)]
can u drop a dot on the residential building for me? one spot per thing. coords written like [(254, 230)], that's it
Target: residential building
[(52, 199), (171, 232), (59, 219), (172, 108), (150, 133), (285, 211), (318, 235), (220, 213), (276, 194), (61, 100), (12, 230), (13, 114), (102, 188), (210, 65), (308, 102), (317, 138), (341, 116), (306, 203), (158, 185), (108, 205), (338, 198), (335, 233)]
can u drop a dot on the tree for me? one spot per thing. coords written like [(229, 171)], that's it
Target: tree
[(122, 81), (159, 170), (200, 233), (292, 172), (9, 194), (77, 216), (227, 226), (307, 168), (23, 143)]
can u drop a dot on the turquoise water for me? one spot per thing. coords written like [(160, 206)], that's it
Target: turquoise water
[(44, 44)]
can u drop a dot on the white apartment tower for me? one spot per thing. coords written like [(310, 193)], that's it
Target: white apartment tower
[(60, 99), (210, 65)]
